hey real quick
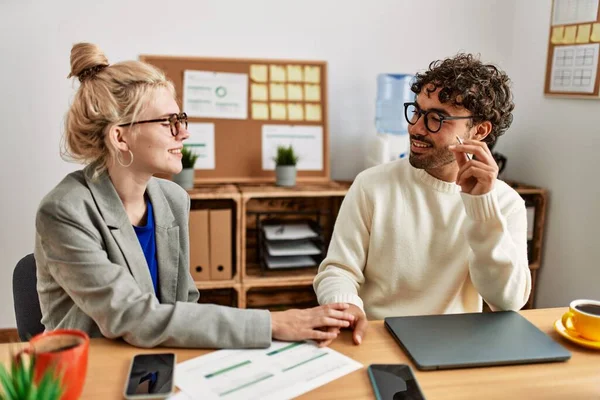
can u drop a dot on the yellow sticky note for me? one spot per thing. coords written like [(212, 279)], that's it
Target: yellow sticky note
[(259, 92), (313, 112), (294, 73), (277, 91), (569, 37), (278, 111), (277, 73), (557, 34), (583, 33), (312, 74), (294, 92), (260, 111), (258, 73), (312, 93), (595, 33), (295, 112)]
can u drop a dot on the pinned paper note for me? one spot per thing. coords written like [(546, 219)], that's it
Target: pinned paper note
[(277, 73), (295, 112), (202, 142), (583, 33), (570, 34), (557, 34), (312, 74), (277, 91), (209, 94), (595, 33), (294, 92), (312, 92), (567, 12), (306, 140), (294, 73), (260, 111), (258, 73), (278, 111), (574, 68), (313, 112), (259, 92)]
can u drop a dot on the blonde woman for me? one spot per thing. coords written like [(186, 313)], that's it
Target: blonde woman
[(112, 240)]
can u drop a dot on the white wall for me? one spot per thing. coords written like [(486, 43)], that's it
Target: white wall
[(358, 39), (554, 143)]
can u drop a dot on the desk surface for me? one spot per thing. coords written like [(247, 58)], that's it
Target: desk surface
[(578, 378)]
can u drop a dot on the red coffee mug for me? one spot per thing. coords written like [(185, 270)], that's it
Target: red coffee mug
[(65, 350)]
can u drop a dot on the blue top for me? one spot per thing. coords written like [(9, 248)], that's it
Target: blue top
[(147, 238)]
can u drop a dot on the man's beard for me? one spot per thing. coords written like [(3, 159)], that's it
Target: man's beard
[(435, 157)]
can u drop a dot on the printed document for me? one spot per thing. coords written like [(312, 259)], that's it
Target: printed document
[(283, 371)]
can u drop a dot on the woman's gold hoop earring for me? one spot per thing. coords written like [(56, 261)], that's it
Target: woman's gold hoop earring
[(121, 163)]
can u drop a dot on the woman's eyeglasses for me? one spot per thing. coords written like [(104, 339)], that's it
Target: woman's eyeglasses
[(175, 122)]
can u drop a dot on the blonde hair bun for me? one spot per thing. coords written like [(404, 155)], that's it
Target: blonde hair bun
[(86, 61)]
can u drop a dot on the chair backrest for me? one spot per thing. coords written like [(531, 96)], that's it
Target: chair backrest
[(25, 296)]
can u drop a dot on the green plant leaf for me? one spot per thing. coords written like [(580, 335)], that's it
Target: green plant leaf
[(21, 377), (28, 372), (44, 387), (285, 156), (50, 385), (7, 384), (20, 385), (33, 394), (189, 157)]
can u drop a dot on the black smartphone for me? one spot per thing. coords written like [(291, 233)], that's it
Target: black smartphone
[(394, 382), (150, 376)]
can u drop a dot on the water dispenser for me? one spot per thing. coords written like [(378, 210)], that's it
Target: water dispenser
[(391, 140)]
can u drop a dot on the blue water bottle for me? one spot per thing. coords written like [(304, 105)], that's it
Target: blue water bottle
[(393, 90)]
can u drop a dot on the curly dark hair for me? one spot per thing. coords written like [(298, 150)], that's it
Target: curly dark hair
[(465, 81)]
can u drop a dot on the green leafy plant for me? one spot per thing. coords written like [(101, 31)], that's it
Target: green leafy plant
[(285, 156), (19, 384), (189, 157)]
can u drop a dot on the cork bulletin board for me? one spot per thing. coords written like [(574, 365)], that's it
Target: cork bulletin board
[(572, 66), (271, 101)]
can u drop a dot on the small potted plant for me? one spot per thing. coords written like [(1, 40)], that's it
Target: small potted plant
[(186, 177), (18, 382), (285, 166)]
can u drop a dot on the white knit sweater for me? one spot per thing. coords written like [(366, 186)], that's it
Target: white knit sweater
[(406, 243)]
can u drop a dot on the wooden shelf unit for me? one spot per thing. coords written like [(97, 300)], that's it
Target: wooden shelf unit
[(252, 285), (538, 198), (286, 287), (249, 279)]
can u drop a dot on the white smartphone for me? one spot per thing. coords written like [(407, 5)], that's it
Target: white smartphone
[(151, 376)]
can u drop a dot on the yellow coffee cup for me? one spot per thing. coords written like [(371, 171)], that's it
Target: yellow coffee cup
[(583, 319)]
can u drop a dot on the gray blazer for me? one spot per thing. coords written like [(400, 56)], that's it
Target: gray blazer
[(92, 274)]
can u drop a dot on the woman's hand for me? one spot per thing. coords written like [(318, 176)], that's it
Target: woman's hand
[(321, 323), (359, 326)]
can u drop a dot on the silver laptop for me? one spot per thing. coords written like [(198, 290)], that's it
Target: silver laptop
[(473, 340)]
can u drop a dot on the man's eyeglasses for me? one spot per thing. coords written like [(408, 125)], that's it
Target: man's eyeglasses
[(175, 121), (433, 119)]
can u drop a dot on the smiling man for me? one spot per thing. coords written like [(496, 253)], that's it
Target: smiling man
[(437, 233)]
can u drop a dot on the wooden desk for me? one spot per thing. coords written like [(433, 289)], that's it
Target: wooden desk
[(578, 378)]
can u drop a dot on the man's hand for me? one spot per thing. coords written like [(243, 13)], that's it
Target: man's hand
[(475, 177), (359, 326), (319, 323)]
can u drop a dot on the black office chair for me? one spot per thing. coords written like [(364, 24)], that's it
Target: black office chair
[(25, 296)]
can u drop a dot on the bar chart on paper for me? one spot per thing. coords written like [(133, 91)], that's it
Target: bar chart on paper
[(282, 371)]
